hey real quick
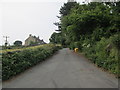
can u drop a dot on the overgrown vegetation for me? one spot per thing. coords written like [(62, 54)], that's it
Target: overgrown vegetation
[(94, 29), (17, 61)]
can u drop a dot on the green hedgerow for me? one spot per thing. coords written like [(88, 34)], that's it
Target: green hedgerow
[(18, 61)]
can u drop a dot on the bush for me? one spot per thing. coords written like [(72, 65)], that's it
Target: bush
[(104, 53), (116, 40), (78, 45), (17, 62), (72, 46)]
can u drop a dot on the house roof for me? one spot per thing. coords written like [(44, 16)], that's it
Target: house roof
[(37, 38)]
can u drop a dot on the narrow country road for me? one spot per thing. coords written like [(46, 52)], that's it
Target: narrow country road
[(65, 69)]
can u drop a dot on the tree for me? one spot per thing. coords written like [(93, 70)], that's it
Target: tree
[(56, 38), (87, 22), (18, 43), (65, 10)]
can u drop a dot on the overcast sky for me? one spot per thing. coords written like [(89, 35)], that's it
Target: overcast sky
[(19, 18)]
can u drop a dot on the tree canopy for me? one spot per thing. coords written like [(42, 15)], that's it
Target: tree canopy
[(93, 20), (18, 43)]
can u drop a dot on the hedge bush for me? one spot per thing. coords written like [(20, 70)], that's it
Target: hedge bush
[(16, 62), (104, 56)]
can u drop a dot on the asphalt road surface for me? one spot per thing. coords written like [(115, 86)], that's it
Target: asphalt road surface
[(65, 69)]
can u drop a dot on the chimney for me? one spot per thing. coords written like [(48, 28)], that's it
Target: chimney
[(38, 37), (30, 35)]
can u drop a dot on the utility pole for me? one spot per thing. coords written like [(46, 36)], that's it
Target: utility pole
[(6, 40)]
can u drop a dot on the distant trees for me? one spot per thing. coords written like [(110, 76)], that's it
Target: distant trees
[(18, 43)]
